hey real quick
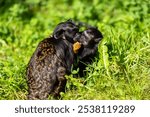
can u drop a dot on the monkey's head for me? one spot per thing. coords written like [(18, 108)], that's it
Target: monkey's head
[(66, 30), (89, 40)]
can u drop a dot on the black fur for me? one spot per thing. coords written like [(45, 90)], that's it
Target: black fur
[(50, 62), (54, 56), (89, 40)]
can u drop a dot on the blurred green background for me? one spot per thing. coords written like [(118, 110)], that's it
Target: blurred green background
[(122, 70)]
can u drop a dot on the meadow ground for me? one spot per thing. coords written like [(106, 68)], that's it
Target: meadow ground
[(121, 69)]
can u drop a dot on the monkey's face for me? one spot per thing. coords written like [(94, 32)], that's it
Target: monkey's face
[(90, 37), (89, 40)]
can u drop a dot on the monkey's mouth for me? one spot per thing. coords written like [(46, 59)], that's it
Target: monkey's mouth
[(76, 47)]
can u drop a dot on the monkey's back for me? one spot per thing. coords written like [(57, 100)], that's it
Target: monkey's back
[(44, 71)]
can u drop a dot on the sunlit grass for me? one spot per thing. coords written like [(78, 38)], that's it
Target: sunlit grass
[(121, 69)]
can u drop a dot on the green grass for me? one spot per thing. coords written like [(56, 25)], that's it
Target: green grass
[(120, 71)]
